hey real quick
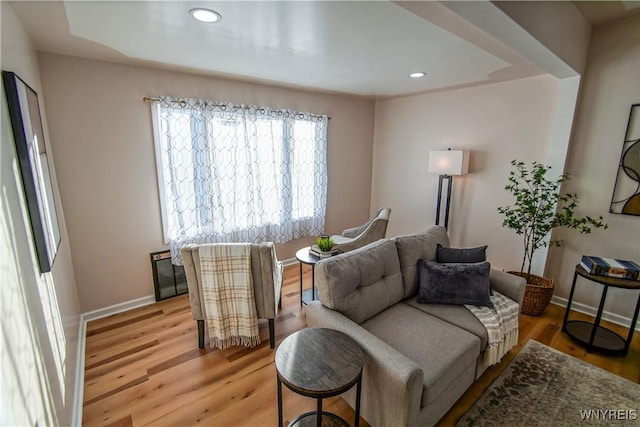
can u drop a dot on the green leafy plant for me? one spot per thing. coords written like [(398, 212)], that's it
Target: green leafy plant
[(325, 243), (539, 208)]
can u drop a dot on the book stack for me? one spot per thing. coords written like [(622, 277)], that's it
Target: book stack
[(610, 267), (315, 250)]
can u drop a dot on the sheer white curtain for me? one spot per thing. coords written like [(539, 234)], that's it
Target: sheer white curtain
[(238, 173)]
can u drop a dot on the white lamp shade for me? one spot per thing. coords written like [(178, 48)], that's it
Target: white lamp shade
[(449, 162)]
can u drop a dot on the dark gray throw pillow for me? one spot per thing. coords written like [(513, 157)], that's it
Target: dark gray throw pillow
[(454, 283), (466, 255)]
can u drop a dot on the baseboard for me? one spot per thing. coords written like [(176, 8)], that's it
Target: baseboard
[(288, 262), (592, 311), (118, 308), (78, 395)]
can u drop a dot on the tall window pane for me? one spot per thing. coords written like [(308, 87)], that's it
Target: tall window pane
[(239, 174)]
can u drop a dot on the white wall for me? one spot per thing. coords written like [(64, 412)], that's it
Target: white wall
[(611, 85), (497, 123), (103, 144), (40, 312)]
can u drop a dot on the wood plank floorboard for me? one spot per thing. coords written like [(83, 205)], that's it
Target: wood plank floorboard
[(143, 368)]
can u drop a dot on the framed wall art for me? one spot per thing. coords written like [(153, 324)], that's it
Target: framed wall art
[(626, 192), (24, 112)]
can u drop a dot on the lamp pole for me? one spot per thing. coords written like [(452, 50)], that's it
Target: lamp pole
[(447, 206), (447, 163)]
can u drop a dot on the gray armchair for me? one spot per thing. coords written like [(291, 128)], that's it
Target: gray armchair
[(372, 230), (266, 274)]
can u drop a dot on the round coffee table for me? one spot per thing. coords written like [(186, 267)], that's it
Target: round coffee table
[(319, 363)]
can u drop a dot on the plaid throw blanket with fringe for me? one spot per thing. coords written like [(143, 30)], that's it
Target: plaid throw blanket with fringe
[(230, 307), (501, 323)]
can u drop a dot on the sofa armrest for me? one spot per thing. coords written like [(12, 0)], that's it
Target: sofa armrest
[(391, 382), (508, 285)]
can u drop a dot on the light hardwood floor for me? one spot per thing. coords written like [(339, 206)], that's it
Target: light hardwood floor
[(143, 367)]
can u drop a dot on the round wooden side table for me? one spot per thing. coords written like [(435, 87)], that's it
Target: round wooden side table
[(319, 363), (592, 335)]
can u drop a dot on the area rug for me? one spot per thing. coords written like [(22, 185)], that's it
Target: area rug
[(545, 387)]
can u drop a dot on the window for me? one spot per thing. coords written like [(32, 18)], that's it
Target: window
[(238, 174)]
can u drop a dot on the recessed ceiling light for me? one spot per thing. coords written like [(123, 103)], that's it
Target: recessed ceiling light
[(205, 15), (417, 75)]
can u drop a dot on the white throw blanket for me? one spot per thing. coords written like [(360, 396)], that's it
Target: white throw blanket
[(229, 303), (501, 323)]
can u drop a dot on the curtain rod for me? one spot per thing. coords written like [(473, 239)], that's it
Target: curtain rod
[(182, 103)]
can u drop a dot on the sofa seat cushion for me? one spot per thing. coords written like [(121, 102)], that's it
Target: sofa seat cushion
[(443, 351), (457, 315)]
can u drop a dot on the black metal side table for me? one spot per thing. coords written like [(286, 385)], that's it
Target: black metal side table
[(319, 363), (594, 336), (304, 257)]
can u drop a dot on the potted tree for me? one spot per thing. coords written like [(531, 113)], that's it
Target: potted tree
[(539, 208)]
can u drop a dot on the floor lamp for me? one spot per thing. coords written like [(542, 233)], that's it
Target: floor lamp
[(447, 163)]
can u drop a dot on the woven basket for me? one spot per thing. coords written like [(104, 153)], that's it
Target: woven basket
[(537, 294)]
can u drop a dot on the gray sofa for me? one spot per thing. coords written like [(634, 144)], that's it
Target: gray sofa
[(420, 358)]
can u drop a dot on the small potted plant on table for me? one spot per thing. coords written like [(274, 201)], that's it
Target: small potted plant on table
[(539, 208), (323, 247)]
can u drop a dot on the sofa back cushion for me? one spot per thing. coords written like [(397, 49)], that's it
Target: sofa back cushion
[(361, 283), (415, 247), (461, 255)]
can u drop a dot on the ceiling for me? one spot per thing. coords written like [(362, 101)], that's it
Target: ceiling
[(600, 12), (358, 47)]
